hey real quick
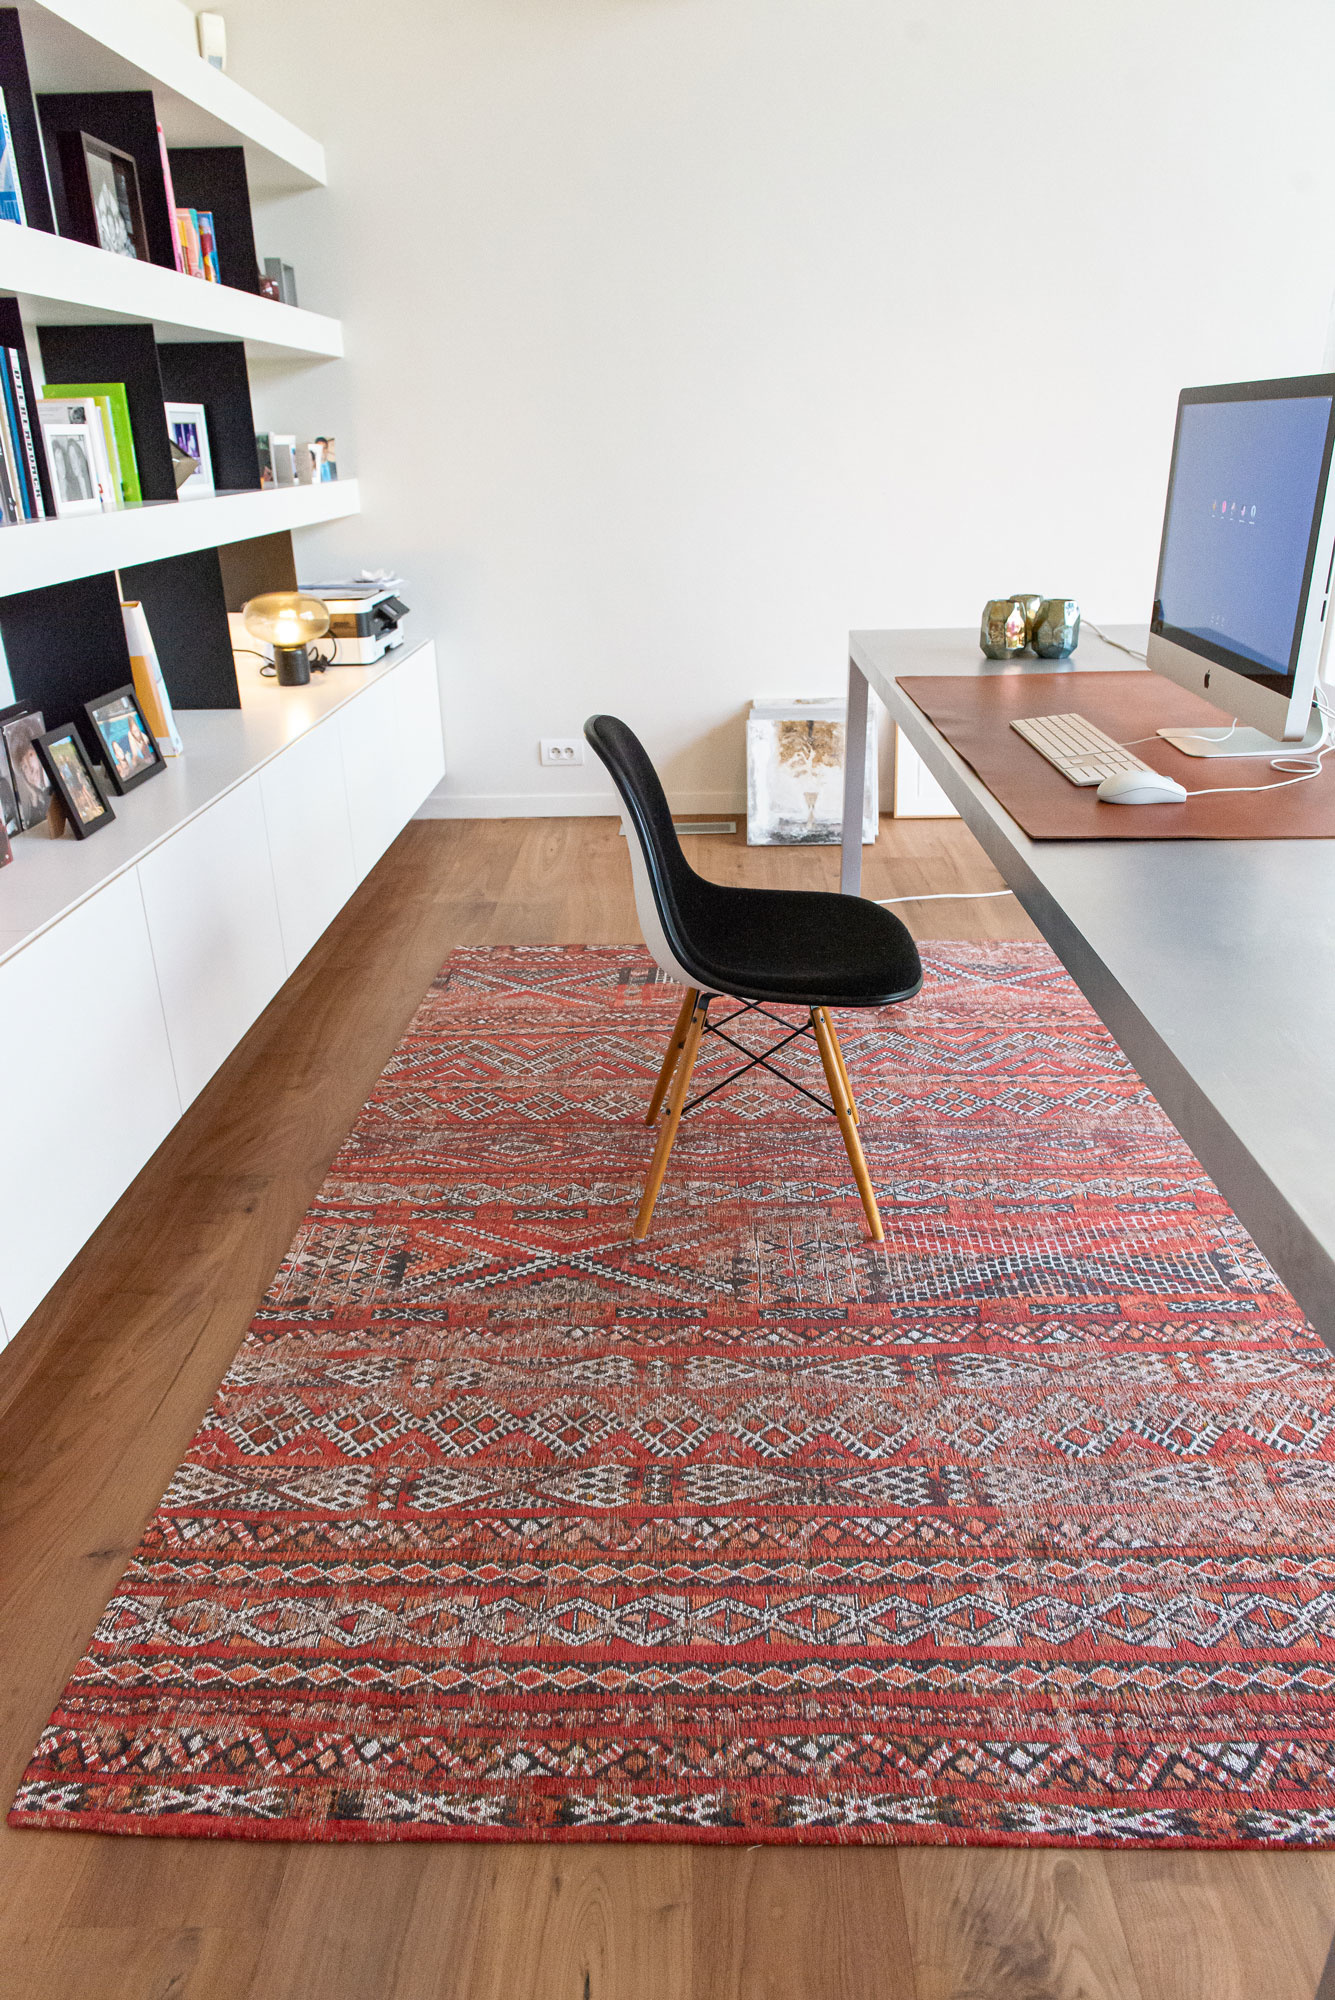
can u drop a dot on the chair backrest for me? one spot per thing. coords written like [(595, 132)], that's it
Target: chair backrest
[(665, 882)]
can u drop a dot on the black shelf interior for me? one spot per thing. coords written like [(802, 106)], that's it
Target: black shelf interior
[(213, 372), (124, 118), (214, 178), (128, 354)]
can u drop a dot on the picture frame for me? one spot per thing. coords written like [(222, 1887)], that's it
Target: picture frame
[(70, 770), (71, 453), (20, 726), (188, 430), (130, 753), (102, 188)]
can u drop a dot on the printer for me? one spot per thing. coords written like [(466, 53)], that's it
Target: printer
[(364, 618)]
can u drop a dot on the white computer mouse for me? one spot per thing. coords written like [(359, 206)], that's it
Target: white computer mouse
[(1141, 788)]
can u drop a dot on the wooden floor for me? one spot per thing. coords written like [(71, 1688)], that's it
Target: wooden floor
[(101, 1392)]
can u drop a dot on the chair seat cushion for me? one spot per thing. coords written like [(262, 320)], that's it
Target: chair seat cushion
[(800, 945)]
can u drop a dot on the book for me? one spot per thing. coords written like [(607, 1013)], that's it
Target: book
[(11, 442), (208, 247), (171, 198), (11, 190), (9, 507), (14, 360), (114, 392), (188, 223), (149, 686)]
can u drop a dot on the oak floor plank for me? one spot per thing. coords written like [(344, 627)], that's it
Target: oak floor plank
[(1234, 1926), (1014, 1923), (101, 1391)]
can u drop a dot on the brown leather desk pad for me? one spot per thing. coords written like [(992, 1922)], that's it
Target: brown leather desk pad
[(974, 715)]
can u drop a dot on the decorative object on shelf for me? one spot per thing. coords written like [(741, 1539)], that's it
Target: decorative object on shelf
[(84, 413), (71, 773), (289, 622), (283, 458), (102, 184), (183, 466), (122, 732), (71, 453), (20, 726), (151, 689), (11, 192), (284, 277), (114, 405), (1057, 628), (1002, 635), (271, 288), (795, 773), (212, 39), (188, 430)]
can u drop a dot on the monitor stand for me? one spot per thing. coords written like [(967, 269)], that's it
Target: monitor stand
[(1226, 742)]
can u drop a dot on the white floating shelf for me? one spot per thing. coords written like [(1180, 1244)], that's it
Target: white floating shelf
[(37, 553), (151, 44), (60, 282)]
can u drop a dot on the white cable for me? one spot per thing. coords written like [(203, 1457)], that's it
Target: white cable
[(947, 896), (1130, 651), (1288, 761)]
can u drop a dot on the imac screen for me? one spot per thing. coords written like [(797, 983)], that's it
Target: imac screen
[(1247, 480)]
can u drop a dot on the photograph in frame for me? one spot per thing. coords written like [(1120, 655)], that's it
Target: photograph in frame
[(129, 750), (71, 773), (188, 431), (32, 786)]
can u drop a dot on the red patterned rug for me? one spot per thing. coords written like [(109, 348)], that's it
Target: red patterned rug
[(504, 1527)]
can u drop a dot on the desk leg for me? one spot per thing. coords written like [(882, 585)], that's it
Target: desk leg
[(855, 768)]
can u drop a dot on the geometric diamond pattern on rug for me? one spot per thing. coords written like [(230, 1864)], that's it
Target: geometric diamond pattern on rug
[(1017, 1529)]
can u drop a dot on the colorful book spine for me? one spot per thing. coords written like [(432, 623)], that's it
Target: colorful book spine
[(149, 685), (25, 426), (11, 188), (171, 197), (208, 247), (14, 444), (188, 218)]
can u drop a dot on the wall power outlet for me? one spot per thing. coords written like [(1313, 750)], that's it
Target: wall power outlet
[(560, 750)]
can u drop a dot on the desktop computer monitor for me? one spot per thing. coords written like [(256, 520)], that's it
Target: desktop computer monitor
[(1246, 557)]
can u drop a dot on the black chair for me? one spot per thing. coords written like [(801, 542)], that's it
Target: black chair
[(788, 947)]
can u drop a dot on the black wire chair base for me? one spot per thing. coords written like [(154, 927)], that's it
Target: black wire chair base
[(762, 1061)]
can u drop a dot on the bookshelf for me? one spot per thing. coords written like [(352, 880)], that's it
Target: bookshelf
[(152, 947)]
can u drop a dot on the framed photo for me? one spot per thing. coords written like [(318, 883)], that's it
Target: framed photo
[(19, 729), (102, 187), (72, 455), (71, 774), (189, 433), (125, 739)]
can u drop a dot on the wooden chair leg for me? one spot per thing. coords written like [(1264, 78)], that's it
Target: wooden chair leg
[(674, 1049), (849, 1099), (681, 1083), (836, 1076)]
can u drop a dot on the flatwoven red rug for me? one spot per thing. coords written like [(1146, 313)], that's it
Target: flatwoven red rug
[(504, 1527)]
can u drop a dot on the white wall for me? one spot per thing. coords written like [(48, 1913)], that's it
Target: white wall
[(686, 334)]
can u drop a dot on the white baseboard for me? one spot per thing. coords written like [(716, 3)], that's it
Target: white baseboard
[(565, 805)]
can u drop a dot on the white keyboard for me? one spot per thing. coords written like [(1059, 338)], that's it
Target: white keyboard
[(1079, 751)]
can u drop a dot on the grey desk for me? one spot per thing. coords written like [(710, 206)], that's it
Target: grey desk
[(1212, 963)]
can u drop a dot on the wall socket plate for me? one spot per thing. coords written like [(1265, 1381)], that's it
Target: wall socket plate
[(561, 749)]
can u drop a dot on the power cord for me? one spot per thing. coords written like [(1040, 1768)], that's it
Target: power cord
[(1130, 651), (947, 896)]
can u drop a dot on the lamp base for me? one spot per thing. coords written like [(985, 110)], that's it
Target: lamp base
[(292, 665)]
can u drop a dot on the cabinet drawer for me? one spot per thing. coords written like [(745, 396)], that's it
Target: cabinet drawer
[(310, 838), (213, 919), (89, 1087)]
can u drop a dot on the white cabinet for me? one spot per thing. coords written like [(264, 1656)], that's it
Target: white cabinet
[(89, 1088), (310, 837), (116, 1013), (213, 919), (373, 767), (422, 746)]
